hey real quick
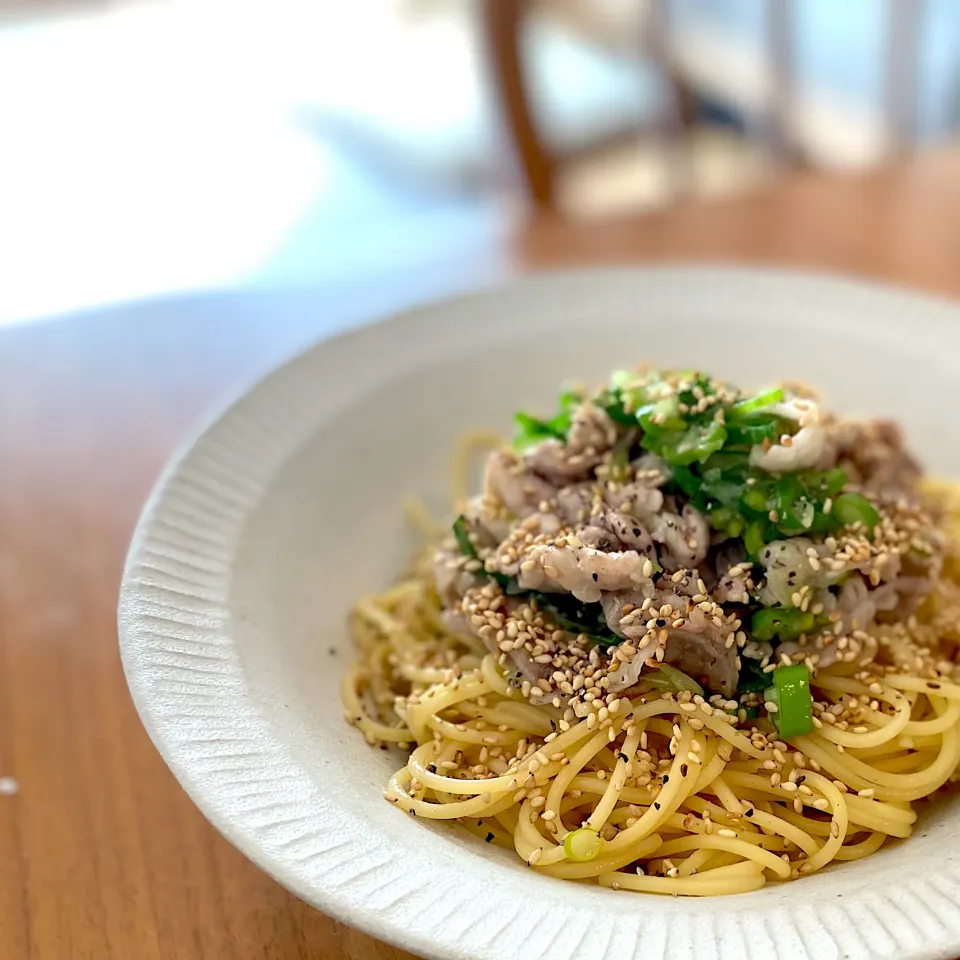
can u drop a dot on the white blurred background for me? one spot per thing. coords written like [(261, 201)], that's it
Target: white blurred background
[(150, 147)]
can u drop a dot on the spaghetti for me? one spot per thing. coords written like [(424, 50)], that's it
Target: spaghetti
[(672, 791)]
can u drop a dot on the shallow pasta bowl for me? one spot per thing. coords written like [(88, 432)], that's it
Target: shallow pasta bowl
[(289, 506)]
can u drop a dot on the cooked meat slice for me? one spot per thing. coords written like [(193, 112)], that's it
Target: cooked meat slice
[(591, 430), (651, 470), (732, 589), (488, 518), (686, 538), (456, 622), (554, 461), (600, 538), (700, 651), (508, 481), (519, 660), (698, 648), (582, 571), (513, 550), (575, 502), (618, 606), (452, 581), (874, 456), (630, 532), (807, 449), (637, 498), (728, 588), (613, 531), (811, 447), (592, 434), (788, 568), (537, 674)]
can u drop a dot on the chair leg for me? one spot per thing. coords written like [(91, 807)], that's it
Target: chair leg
[(502, 23)]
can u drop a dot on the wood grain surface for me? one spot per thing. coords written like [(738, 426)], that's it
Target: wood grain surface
[(101, 853)]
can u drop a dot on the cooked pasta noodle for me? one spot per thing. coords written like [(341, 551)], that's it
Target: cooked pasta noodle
[(687, 795)]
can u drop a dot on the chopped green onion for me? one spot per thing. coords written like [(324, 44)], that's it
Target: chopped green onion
[(687, 481), (669, 679), (781, 623), (752, 678), (462, 534), (790, 694), (721, 518), (755, 498), (824, 483), (531, 430), (622, 379), (851, 508), (752, 429), (697, 443), (753, 538), (660, 416), (582, 845), (612, 403), (736, 527), (794, 510), (758, 401)]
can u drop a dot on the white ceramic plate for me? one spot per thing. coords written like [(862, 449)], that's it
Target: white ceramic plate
[(288, 506)]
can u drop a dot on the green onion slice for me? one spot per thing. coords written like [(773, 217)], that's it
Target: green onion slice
[(669, 679), (851, 508), (753, 538), (462, 535), (781, 623), (765, 398), (582, 845), (791, 694), (697, 443)]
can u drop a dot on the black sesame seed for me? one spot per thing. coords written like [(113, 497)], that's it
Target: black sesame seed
[(622, 756), (636, 531), (661, 623), (749, 812), (489, 837), (656, 806), (596, 577), (666, 778), (683, 770)]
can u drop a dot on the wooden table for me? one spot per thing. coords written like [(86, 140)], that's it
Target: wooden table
[(101, 854)]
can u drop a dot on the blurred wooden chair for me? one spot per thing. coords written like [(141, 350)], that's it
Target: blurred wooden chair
[(503, 23), (648, 33)]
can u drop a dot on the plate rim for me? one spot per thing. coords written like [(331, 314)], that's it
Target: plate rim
[(374, 922)]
